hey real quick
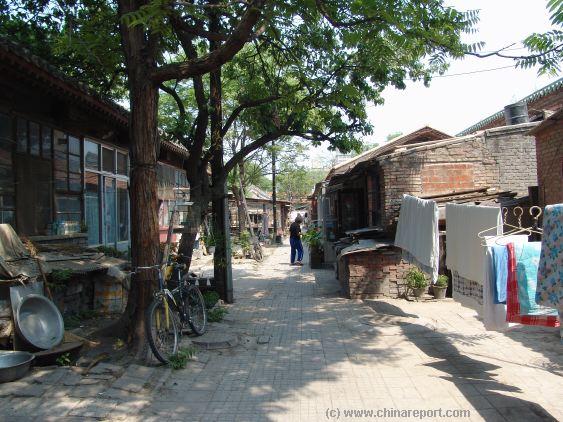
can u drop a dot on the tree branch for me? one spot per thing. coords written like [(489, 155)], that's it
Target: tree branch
[(247, 104), (341, 24), (172, 92), (217, 57)]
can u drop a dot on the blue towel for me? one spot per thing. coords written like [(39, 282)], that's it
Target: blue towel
[(500, 273)]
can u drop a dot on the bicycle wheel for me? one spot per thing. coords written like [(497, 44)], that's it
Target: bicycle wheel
[(197, 315), (162, 329)]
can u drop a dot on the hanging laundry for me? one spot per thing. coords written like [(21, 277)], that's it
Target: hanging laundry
[(417, 234), (496, 274), (464, 252), (523, 261), (549, 291)]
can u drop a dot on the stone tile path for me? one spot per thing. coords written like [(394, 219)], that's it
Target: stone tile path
[(305, 354)]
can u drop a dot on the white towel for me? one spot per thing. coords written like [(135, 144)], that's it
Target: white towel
[(417, 233), (464, 252)]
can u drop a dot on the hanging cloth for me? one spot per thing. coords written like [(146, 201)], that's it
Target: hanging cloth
[(523, 260), (549, 291), (417, 234), (464, 252)]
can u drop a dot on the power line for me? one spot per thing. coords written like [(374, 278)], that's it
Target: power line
[(475, 71)]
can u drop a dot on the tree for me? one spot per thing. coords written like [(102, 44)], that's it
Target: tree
[(393, 135), (545, 49), (304, 69)]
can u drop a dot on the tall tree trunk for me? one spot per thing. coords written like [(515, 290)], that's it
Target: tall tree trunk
[(222, 258), (274, 200), (143, 96)]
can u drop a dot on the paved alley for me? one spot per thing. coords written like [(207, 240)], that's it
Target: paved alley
[(306, 354)]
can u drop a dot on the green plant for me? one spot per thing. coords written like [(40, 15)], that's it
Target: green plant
[(216, 314), (244, 242), (416, 279), (180, 359), (83, 227), (60, 276), (442, 281), (210, 298), (64, 360), (313, 238)]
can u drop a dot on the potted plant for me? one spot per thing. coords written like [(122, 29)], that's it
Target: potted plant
[(313, 239), (416, 281), (439, 289), (209, 242)]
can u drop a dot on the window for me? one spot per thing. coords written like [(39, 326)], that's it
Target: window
[(67, 163), (6, 175), (122, 164), (92, 207), (122, 211), (47, 141), (21, 136), (34, 139), (68, 208), (108, 160), (91, 155)]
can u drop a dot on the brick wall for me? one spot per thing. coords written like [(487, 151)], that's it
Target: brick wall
[(549, 150), (373, 274), (502, 158)]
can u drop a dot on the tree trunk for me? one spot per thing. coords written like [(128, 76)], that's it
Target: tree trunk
[(143, 97)]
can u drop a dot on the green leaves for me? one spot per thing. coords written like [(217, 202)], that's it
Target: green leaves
[(151, 16)]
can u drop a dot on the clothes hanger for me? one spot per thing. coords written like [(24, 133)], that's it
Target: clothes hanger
[(504, 223), (528, 230), (481, 234)]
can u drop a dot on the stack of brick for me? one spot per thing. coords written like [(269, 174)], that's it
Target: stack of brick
[(373, 273)]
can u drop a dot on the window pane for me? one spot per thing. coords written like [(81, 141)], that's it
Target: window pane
[(74, 163), (22, 136), (108, 160), (74, 182), (73, 145), (7, 217), (121, 163), (61, 142), (92, 207), (46, 142), (5, 153), (5, 127), (109, 211), (61, 180), (68, 204), (33, 138), (91, 155), (123, 210), (7, 201)]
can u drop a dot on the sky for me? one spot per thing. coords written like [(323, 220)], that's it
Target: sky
[(454, 103)]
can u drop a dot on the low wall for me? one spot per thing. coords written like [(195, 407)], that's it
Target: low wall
[(372, 274)]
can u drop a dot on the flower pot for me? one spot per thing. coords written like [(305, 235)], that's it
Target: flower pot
[(419, 292), (439, 292)]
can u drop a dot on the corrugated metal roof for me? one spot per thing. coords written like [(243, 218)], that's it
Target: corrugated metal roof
[(540, 93)]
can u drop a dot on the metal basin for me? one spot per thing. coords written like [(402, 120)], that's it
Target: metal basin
[(14, 365), (39, 322)]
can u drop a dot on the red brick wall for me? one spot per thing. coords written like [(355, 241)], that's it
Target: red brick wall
[(549, 151), (373, 274), (442, 178)]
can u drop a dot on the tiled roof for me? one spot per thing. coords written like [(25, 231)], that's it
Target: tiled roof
[(540, 93), (386, 148)]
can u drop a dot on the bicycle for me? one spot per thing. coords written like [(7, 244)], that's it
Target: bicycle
[(172, 311)]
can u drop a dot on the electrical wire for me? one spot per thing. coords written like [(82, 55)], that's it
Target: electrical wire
[(473, 72)]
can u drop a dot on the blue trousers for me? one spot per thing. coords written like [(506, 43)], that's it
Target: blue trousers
[(296, 246)]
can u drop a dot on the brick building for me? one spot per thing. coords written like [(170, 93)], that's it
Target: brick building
[(367, 193), (549, 152)]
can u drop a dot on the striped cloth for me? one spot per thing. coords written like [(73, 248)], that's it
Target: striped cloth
[(519, 284)]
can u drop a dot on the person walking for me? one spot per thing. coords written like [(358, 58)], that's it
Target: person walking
[(295, 241)]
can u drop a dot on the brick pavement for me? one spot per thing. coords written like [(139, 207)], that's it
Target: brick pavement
[(306, 354)]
